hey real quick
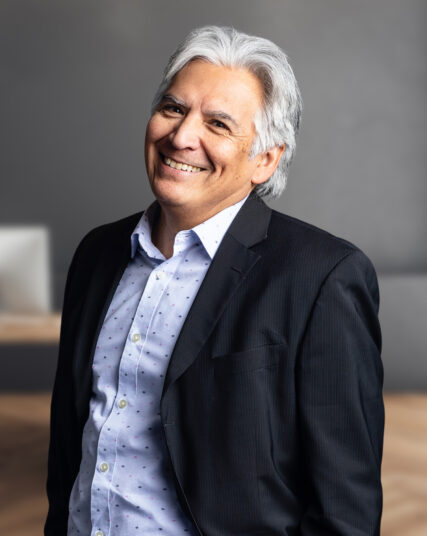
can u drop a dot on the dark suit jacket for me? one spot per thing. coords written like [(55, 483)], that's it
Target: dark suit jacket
[(272, 407)]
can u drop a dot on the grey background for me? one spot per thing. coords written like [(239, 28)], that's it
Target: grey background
[(76, 82)]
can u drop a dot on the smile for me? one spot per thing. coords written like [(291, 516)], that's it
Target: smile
[(180, 165)]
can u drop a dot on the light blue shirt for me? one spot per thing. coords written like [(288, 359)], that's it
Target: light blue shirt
[(125, 485)]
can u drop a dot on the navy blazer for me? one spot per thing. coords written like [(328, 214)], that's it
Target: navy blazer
[(272, 404)]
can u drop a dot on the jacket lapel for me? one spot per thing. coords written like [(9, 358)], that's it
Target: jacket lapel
[(232, 262)]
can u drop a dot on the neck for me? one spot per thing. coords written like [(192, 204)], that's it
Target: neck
[(169, 223), (165, 228)]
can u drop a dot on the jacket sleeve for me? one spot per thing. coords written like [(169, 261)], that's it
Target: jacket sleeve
[(341, 412), (65, 438)]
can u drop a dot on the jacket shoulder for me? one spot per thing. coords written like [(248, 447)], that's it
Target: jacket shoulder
[(94, 239), (309, 245), (111, 229), (293, 227)]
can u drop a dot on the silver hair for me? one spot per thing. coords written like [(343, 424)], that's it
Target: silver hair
[(277, 123)]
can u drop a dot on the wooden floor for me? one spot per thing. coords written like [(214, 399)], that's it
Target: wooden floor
[(404, 467), (23, 451)]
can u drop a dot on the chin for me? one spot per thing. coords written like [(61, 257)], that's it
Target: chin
[(170, 193)]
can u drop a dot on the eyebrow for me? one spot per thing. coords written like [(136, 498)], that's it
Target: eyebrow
[(217, 114), (174, 100)]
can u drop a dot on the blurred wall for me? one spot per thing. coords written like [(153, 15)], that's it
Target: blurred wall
[(76, 82)]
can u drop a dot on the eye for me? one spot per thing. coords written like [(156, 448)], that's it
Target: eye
[(171, 108), (219, 124)]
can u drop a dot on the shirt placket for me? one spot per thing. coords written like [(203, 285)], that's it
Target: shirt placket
[(127, 397), (112, 446)]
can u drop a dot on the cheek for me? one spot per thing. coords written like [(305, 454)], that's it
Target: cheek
[(156, 129), (225, 155), (151, 134), (236, 160)]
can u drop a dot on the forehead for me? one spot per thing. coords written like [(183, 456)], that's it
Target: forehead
[(232, 90)]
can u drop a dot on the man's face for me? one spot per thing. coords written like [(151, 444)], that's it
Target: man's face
[(198, 140)]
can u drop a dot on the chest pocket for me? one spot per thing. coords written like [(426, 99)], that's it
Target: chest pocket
[(249, 360)]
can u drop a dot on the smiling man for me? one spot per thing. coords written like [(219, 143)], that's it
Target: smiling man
[(198, 145), (219, 368)]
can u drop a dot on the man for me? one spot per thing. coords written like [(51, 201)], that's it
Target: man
[(219, 369)]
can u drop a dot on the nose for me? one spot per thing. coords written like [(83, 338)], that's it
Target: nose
[(186, 133)]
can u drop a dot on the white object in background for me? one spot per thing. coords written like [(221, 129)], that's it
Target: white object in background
[(25, 277)]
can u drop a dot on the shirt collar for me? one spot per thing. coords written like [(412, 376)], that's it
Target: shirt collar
[(210, 232), (141, 236)]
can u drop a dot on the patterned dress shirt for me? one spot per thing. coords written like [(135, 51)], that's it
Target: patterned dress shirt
[(125, 485)]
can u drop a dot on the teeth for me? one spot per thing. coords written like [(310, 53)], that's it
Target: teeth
[(179, 165)]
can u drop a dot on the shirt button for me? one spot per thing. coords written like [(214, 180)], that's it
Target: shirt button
[(122, 404), (160, 275), (99, 533), (136, 337), (103, 467)]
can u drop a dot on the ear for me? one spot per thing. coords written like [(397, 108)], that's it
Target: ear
[(266, 164)]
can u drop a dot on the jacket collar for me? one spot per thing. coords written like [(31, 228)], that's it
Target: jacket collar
[(251, 224)]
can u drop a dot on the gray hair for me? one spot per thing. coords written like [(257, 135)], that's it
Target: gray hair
[(278, 122)]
